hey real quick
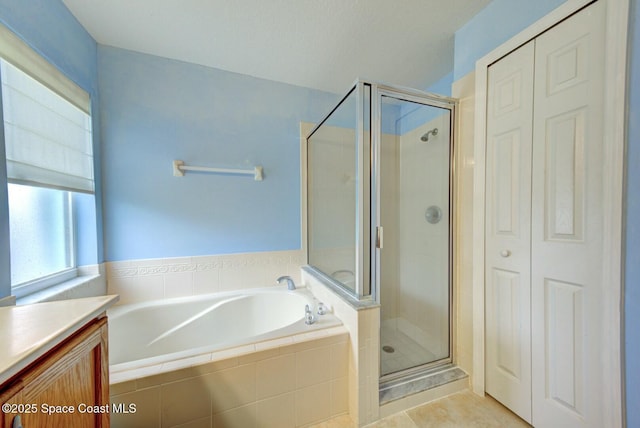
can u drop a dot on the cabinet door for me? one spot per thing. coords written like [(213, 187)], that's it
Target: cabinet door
[(13, 395), (508, 230), (567, 222), (74, 374)]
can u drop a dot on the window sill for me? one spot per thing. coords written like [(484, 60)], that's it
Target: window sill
[(89, 285)]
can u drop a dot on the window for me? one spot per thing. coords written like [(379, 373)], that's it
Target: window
[(48, 147), (41, 237)]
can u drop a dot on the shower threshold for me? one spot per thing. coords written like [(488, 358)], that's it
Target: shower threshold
[(401, 388)]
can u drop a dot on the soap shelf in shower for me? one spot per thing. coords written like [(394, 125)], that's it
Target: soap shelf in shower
[(179, 169)]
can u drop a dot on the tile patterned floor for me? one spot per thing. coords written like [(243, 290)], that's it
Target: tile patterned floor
[(464, 409), (407, 352)]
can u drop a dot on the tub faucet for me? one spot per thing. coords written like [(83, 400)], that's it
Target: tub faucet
[(308, 316), (290, 284)]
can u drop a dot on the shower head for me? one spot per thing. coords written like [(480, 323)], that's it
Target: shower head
[(425, 137)]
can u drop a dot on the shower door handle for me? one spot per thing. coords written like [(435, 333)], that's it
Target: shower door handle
[(379, 237)]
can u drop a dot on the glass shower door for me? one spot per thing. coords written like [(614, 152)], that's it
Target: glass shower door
[(414, 159)]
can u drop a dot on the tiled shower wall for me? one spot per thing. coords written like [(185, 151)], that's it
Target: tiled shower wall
[(142, 280), (423, 265), (464, 90), (414, 260)]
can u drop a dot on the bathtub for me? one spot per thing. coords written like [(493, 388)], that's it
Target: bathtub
[(160, 336)]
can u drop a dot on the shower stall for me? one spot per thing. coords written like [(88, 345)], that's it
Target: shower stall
[(379, 210)]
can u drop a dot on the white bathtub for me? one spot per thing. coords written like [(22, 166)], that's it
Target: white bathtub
[(158, 336)]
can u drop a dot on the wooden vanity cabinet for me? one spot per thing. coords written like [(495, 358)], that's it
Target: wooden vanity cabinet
[(11, 395), (73, 374)]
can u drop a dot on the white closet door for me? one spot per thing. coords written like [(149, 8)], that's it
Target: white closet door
[(508, 230), (566, 280)]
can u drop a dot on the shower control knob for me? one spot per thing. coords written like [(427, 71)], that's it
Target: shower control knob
[(505, 253)]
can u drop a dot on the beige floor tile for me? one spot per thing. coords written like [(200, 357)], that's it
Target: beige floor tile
[(464, 409), (505, 415)]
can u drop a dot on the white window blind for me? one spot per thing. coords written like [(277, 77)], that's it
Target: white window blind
[(47, 126), (47, 139)]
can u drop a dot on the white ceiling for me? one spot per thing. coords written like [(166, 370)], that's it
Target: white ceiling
[(321, 44)]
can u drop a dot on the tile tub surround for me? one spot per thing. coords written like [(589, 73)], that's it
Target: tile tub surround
[(294, 385), (153, 279), (363, 324), (326, 327)]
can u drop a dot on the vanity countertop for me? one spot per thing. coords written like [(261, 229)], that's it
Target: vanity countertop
[(30, 331)]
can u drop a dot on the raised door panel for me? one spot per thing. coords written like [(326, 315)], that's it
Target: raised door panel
[(506, 183), (13, 397), (507, 297), (565, 180), (507, 230), (74, 374), (564, 341), (566, 255)]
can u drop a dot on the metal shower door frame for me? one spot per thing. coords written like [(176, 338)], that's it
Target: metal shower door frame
[(379, 90)]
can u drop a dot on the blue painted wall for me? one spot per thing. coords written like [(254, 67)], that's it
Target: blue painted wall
[(492, 26), (632, 265), (412, 116), (442, 86), (499, 21), (155, 110), (50, 29)]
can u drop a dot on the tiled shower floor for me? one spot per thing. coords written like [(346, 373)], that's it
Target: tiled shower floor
[(407, 352)]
